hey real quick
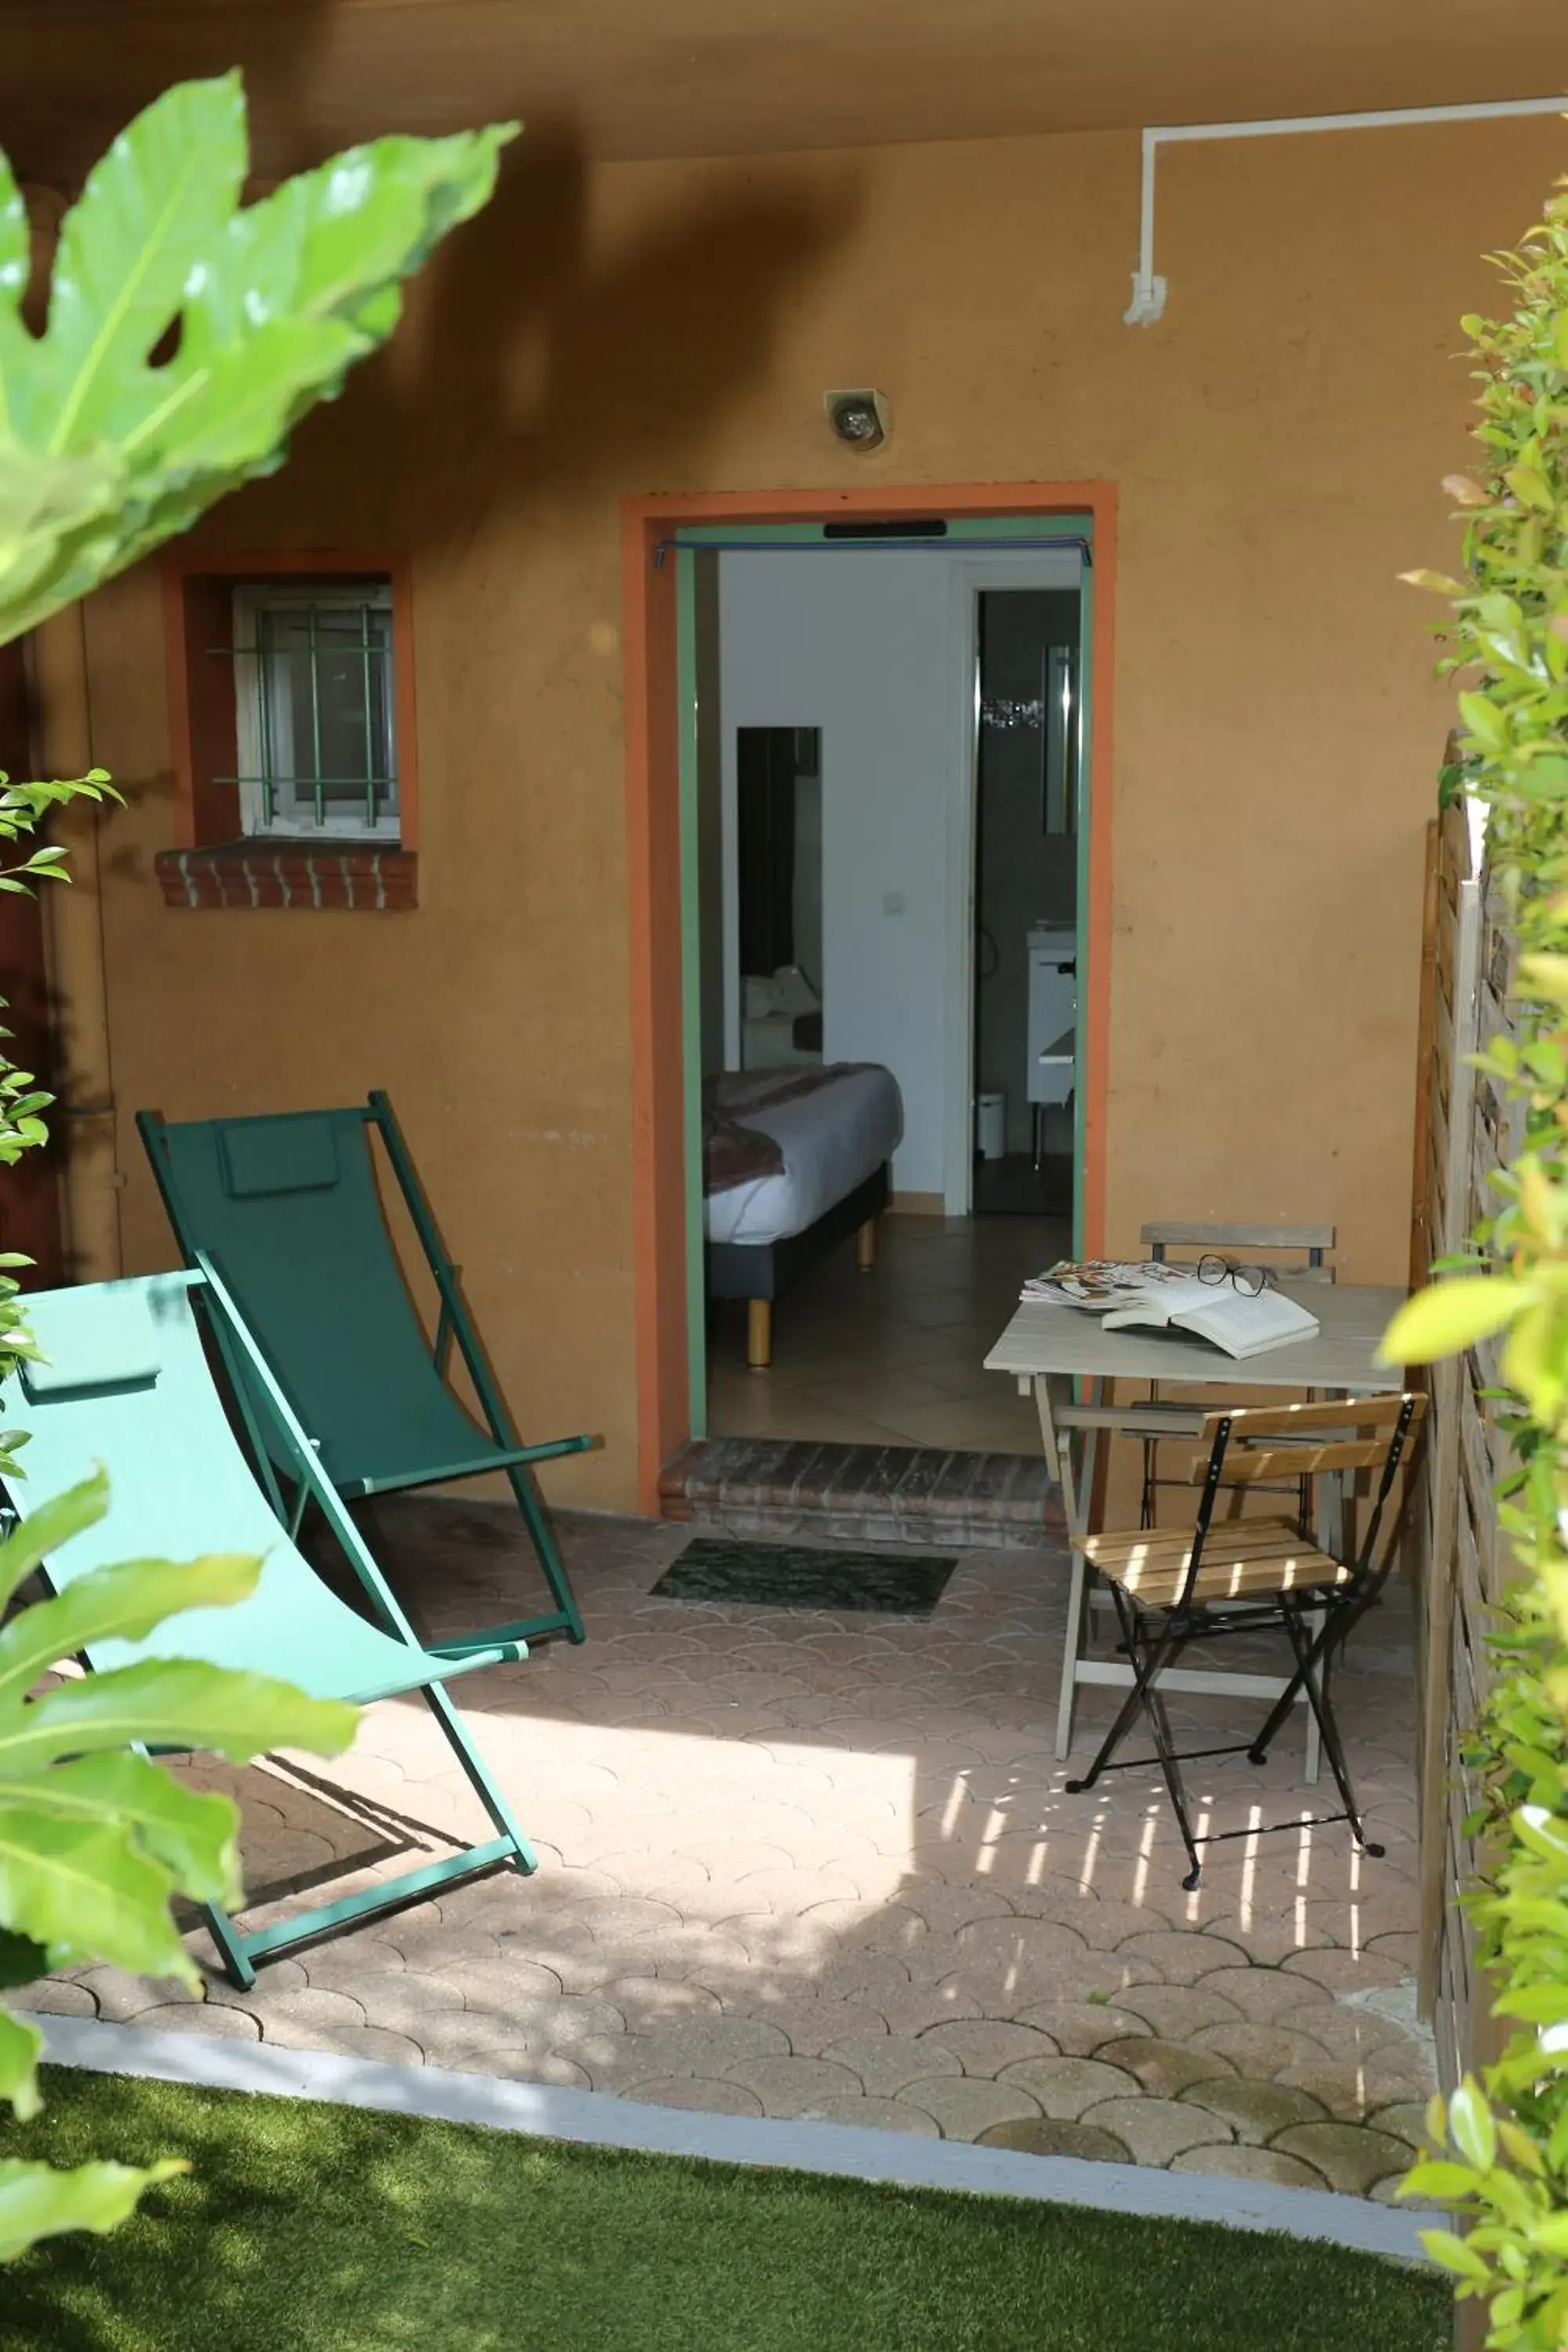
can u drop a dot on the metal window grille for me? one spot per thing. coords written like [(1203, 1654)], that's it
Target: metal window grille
[(315, 724)]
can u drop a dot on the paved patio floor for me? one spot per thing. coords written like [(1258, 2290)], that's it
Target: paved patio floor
[(823, 1866)]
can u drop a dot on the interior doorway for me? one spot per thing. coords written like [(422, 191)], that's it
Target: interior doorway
[(668, 542), (1028, 777)]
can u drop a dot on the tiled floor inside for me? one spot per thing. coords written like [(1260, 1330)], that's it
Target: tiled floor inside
[(895, 1356), (811, 1866)]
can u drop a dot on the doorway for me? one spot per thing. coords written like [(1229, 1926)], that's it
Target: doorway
[(664, 725), (1027, 775)]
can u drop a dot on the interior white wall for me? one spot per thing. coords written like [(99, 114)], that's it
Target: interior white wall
[(873, 649)]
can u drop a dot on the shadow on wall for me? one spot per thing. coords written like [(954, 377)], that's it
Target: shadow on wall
[(527, 361)]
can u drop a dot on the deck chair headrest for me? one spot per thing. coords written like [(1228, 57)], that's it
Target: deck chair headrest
[(266, 1156), (95, 1338)]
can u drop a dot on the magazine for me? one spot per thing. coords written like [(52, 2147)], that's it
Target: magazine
[(1099, 1283), (1155, 1297)]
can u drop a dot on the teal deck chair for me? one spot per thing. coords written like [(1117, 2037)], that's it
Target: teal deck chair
[(287, 1208), (128, 1386)]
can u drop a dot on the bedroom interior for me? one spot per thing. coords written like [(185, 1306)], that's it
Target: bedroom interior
[(888, 771)]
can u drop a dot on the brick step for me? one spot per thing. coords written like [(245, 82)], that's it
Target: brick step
[(865, 1494)]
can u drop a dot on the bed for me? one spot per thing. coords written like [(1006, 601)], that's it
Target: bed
[(794, 1161)]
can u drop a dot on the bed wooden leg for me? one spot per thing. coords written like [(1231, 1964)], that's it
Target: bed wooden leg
[(866, 1245), (760, 1334)]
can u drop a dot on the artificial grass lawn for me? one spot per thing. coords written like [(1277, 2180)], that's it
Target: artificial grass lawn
[(320, 2229)]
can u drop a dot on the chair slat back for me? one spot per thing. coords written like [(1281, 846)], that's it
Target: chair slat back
[(1246, 1464), (1234, 1454), (1247, 1423), (1316, 1243)]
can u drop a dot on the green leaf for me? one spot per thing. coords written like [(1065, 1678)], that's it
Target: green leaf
[(1455, 2254), (193, 1834), (86, 1885), (1530, 487), (19, 2046), (1485, 721), (120, 1603), (1470, 2123), (1439, 2180), (36, 2202), (127, 248), (1451, 1315), (45, 1530), (102, 455), (174, 1703)]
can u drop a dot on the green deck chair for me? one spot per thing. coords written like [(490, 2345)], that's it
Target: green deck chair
[(288, 1209), (128, 1387)]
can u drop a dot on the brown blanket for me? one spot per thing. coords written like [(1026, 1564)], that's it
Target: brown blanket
[(734, 1153)]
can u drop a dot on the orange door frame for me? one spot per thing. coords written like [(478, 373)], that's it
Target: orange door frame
[(653, 862)]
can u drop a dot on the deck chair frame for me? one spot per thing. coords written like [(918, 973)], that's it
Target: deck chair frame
[(454, 1324), (240, 1949)]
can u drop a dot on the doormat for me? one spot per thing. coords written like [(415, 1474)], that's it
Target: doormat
[(797, 1576)]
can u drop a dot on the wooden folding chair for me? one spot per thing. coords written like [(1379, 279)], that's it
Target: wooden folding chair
[(1175, 1587)]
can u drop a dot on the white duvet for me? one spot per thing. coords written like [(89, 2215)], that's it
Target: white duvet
[(831, 1140)]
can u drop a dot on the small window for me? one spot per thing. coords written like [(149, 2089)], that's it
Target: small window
[(315, 731)]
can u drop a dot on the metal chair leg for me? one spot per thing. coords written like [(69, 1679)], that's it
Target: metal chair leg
[(1308, 1652)]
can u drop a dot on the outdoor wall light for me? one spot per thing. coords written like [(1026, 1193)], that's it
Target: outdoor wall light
[(859, 418)]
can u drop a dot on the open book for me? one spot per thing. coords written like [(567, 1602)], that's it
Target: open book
[(1217, 1312)]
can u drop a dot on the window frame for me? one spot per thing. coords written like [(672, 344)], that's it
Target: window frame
[(197, 587), (251, 599)]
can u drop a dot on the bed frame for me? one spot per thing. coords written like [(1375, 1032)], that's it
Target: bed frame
[(761, 1271)]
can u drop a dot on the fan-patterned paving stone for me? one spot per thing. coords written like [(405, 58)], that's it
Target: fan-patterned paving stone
[(827, 1865), (794, 2086), (1255, 2111), (1269, 2052), (1153, 2130), (1163, 2069), (886, 2064), (985, 2045), (55, 1997), (1246, 2162), (1350, 2158), (1065, 2087), (1268, 1942), (1080, 2028), (1354, 2093), (811, 2026), (965, 2106), (1339, 1971), (1176, 2012), (1058, 2136), (1176, 1957), (1262, 1994), (208, 2016)]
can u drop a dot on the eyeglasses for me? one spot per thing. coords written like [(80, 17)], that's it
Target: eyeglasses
[(1249, 1279)]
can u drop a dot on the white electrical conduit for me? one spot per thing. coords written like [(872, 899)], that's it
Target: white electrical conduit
[(1149, 290)]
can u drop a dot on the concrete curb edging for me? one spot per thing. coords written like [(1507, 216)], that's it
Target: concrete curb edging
[(595, 2119)]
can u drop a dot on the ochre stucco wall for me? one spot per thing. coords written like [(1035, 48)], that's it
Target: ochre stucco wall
[(1277, 444)]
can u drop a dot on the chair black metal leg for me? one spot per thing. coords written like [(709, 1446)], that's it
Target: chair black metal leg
[(1113, 1740), (1170, 1771), (1145, 1696), (1307, 1650)]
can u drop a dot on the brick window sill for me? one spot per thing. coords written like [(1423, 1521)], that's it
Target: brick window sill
[(356, 878)]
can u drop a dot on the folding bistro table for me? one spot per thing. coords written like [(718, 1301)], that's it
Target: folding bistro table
[(1053, 1350)]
